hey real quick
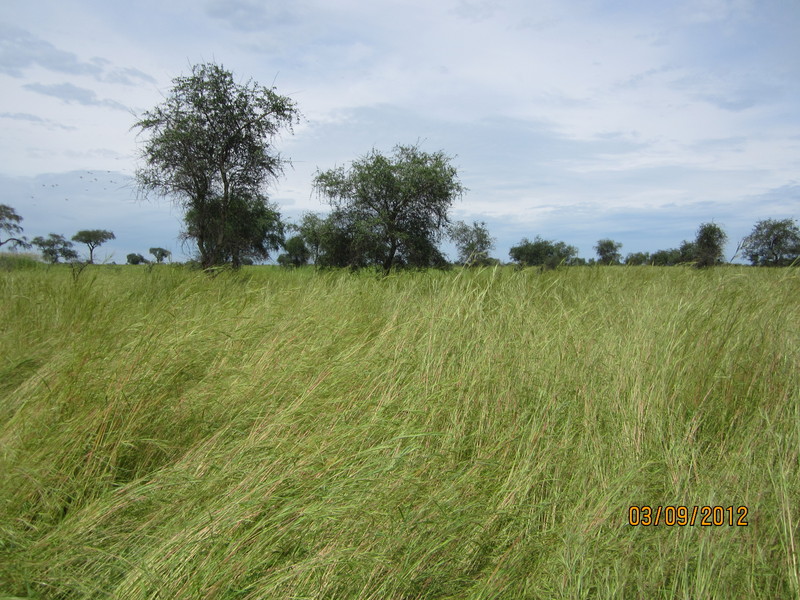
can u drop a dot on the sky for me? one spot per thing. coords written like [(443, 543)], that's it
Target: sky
[(574, 120)]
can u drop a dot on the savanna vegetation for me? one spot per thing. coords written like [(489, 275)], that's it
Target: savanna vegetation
[(477, 433), (386, 424)]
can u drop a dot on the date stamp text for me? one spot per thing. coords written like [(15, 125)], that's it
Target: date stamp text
[(682, 516)]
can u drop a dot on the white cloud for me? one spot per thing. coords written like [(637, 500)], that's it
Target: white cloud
[(69, 93), (34, 119)]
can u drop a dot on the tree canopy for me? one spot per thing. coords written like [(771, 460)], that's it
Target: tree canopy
[(773, 243), (93, 238), (210, 149), (710, 245), (388, 211), (235, 232), (55, 246), (160, 254), (473, 242), (608, 251), (541, 252), (10, 224), (136, 259), (686, 253), (296, 255), (637, 258), (311, 232)]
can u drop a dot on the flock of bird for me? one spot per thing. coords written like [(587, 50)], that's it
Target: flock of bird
[(88, 179)]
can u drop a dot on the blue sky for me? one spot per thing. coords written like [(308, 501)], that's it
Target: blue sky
[(570, 119)]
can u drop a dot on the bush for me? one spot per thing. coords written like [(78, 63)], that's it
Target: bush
[(545, 253), (137, 259)]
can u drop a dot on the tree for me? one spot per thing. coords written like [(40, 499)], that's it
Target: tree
[(160, 254), (210, 150), (297, 254), (93, 238), (544, 253), (608, 251), (666, 258), (687, 252), (473, 243), (346, 240), (710, 245), (247, 229), (637, 258), (10, 224), (54, 247), (311, 230), (137, 259), (773, 243), (393, 209)]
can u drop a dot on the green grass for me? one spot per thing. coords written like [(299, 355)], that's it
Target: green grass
[(472, 434), (10, 261)]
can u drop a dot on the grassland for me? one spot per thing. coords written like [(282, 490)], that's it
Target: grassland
[(472, 434)]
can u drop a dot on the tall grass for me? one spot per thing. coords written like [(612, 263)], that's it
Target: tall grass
[(473, 434), (10, 261)]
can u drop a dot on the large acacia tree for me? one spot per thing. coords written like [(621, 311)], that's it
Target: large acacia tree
[(93, 238), (210, 149), (773, 243), (391, 210)]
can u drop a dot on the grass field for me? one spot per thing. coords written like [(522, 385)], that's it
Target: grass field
[(467, 434)]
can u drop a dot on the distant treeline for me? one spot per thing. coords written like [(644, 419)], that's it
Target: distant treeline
[(342, 241), (209, 147)]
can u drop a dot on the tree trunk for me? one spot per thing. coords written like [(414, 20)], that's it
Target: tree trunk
[(389, 261)]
